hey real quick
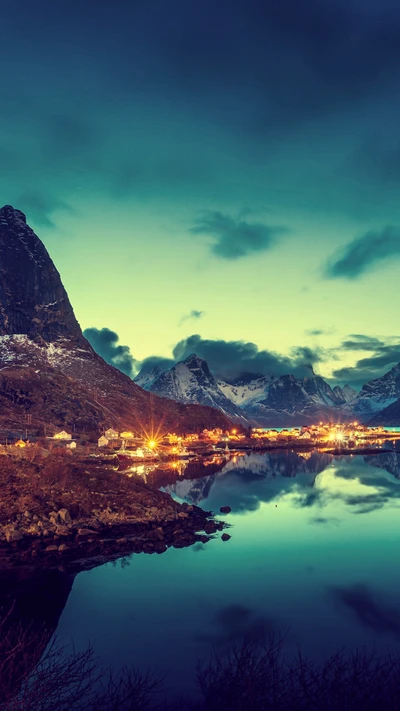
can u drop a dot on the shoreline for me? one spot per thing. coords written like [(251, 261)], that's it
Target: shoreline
[(86, 515)]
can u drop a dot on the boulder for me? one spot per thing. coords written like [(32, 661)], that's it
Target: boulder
[(12, 533), (160, 547), (62, 548), (62, 531), (183, 514), (225, 509), (34, 530), (84, 532), (51, 548), (210, 527), (225, 537), (64, 516)]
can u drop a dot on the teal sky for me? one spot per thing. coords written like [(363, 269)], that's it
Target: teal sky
[(230, 170)]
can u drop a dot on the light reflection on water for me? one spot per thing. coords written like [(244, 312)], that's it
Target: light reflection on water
[(313, 553)]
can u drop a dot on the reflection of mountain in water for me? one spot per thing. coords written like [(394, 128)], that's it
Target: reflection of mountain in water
[(390, 461), (245, 482), (30, 608), (196, 488), (280, 463)]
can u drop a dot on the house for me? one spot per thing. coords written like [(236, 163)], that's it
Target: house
[(305, 435), (62, 435), (20, 443), (102, 441), (111, 434), (71, 445)]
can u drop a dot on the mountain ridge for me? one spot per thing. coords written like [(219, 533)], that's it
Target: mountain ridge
[(264, 401), (281, 401), (48, 370)]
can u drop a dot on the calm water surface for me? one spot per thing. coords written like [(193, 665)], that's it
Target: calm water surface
[(314, 553)]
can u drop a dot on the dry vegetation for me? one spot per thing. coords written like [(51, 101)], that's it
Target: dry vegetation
[(53, 504), (39, 483), (250, 677)]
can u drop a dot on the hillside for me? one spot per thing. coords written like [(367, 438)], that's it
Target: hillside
[(49, 373)]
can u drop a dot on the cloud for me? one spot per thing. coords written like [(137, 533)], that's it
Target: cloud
[(319, 332), (234, 623), (105, 343), (384, 355), (368, 609), (234, 238), (195, 315), (232, 359), (153, 366), (363, 253)]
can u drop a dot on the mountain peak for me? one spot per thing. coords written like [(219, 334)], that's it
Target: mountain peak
[(11, 214), (33, 301), (194, 361)]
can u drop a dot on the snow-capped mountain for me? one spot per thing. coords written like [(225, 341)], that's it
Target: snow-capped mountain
[(263, 400), (389, 416), (378, 395), (191, 381), (48, 370), (347, 393), (291, 401)]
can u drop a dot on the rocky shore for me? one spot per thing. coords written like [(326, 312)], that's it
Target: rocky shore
[(54, 511)]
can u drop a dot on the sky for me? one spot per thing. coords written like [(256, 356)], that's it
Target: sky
[(220, 175)]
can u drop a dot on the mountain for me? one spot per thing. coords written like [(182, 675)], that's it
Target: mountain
[(389, 416), (191, 381), (346, 393), (263, 400), (377, 396), (48, 370), (289, 401)]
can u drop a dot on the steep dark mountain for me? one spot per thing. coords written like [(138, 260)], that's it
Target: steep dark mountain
[(48, 370), (389, 416), (33, 300), (377, 396)]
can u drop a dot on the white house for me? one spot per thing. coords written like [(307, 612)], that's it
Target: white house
[(71, 445), (102, 441), (62, 435), (111, 434)]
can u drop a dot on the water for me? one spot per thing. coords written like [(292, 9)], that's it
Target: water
[(313, 553)]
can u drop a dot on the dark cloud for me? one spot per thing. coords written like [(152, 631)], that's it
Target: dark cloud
[(233, 238), (266, 64), (105, 343), (319, 332), (151, 367), (192, 315), (231, 359), (368, 609), (235, 623), (363, 253), (384, 355), (360, 342)]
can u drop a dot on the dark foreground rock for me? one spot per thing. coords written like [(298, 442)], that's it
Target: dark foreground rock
[(82, 514)]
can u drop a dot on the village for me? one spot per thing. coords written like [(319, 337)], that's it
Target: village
[(127, 445)]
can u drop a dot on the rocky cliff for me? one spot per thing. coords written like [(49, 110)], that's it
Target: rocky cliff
[(48, 370)]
